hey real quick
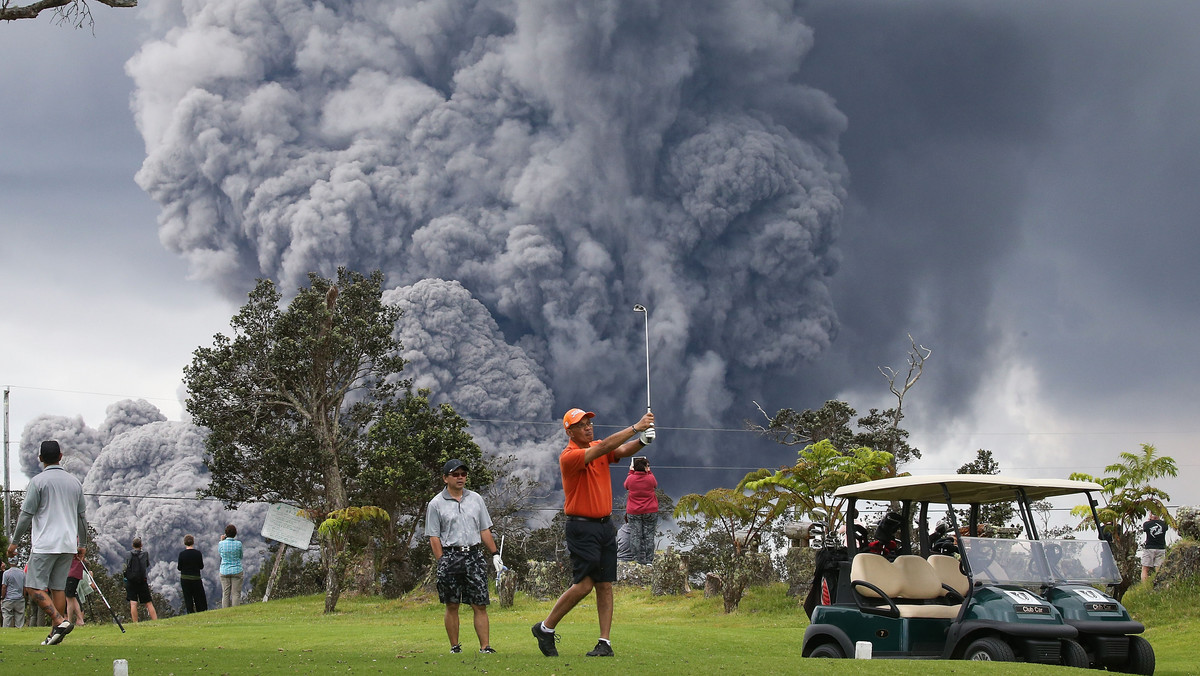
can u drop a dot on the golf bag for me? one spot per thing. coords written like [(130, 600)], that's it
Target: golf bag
[(823, 591)]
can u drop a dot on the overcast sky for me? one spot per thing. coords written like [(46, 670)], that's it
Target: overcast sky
[(1021, 198)]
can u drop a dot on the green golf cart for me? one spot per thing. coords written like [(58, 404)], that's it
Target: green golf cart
[(941, 596)]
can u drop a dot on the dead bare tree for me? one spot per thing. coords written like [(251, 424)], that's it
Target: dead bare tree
[(76, 13), (916, 364)]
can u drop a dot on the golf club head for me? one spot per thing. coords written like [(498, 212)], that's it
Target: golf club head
[(639, 308)]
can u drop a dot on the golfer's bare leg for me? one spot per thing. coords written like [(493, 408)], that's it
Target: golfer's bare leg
[(572, 596), (43, 601), (59, 597), (451, 622), (1145, 572), (133, 613), (482, 629), (604, 607), (150, 609)]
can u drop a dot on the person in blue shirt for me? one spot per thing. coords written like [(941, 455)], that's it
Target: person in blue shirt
[(230, 550)]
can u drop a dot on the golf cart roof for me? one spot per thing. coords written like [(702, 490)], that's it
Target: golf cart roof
[(964, 488)]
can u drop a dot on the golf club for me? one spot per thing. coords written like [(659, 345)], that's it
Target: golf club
[(646, 314), (102, 598)]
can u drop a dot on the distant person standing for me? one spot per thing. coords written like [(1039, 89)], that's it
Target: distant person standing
[(74, 610), (459, 527), (191, 562), (590, 534), (137, 586), (642, 509), (1155, 550), (53, 512), (230, 551), (12, 597), (624, 551)]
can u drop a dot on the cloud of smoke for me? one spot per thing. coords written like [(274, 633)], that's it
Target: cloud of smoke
[(558, 160), (80, 444)]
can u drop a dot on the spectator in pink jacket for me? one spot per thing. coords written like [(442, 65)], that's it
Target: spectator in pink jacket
[(642, 509)]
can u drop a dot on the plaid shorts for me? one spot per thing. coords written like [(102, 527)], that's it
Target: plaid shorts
[(462, 577)]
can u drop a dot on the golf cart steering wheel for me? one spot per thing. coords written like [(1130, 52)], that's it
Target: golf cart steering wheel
[(986, 553)]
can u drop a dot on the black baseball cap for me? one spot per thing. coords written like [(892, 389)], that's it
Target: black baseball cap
[(452, 465)]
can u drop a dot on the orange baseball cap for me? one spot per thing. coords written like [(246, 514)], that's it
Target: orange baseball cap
[(575, 415)]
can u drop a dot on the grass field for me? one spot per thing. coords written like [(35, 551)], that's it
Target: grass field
[(661, 635)]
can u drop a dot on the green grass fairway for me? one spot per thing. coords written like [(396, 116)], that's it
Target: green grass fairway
[(660, 635)]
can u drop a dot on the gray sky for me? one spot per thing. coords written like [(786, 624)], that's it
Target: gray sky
[(1020, 198)]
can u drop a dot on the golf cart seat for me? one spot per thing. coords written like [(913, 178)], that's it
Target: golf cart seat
[(908, 587), (949, 571)]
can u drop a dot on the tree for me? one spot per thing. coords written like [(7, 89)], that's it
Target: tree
[(1131, 496), (344, 533), (72, 12), (997, 513), (831, 422), (820, 470), (403, 458), (286, 400), (887, 435), (740, 516), (879, 430)]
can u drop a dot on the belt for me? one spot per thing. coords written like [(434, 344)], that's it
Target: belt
[(461, 549), (593, 519)]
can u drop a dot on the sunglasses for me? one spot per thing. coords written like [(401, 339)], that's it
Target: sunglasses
[(458, 474)]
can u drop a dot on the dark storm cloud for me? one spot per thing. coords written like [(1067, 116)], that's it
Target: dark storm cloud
[(1019, 173), (560, 161)]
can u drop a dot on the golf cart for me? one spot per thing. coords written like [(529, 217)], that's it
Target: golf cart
[(952, 596)]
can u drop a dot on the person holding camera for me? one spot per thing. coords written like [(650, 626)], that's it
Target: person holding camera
[(641, 506)]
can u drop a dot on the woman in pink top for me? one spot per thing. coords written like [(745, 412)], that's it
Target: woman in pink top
[(642, 509)]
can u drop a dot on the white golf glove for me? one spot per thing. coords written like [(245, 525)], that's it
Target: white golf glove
[(497, 563), (647, 436)]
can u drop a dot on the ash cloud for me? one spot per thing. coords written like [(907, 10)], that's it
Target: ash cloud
[(80, 444), (558, 161)]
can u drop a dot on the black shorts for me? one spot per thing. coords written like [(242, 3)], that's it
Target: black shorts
[(72, 587), (137, 590), (462, 577), (593, 548)]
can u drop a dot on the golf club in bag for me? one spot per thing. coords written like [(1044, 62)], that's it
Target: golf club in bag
[(102, 598)]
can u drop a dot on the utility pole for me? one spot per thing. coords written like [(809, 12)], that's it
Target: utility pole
[(7, 487)]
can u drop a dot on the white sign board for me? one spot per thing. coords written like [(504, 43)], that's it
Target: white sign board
[(284, 524)]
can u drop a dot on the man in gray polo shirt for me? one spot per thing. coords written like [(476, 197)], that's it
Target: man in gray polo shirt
[(54, 510), (456, 522), (12, 597)]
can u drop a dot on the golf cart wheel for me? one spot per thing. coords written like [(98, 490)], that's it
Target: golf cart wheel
[(828, 651), (1141, 658), (1073, 655), (989, 649)]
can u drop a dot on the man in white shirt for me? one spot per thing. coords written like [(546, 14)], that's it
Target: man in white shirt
[(54, 511)]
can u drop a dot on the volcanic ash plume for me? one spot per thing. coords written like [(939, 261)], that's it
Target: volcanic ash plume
[(144, 485), (80, 444), (559, 160), (456, 348)]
